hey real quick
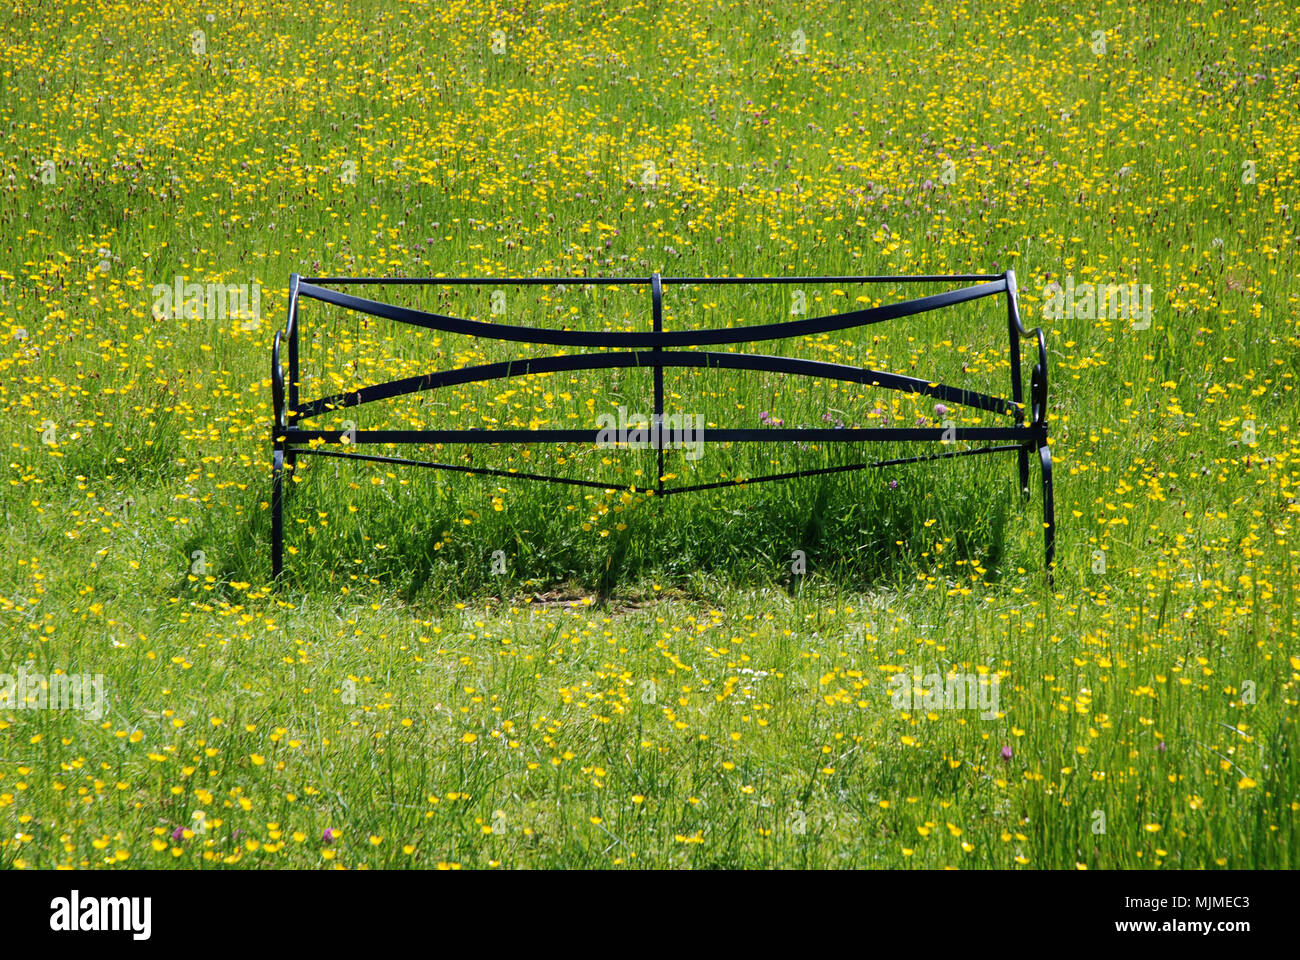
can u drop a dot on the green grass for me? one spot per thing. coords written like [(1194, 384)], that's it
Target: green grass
[(649, 682)]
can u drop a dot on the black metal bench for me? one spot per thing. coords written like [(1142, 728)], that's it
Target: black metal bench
[(654, 350)]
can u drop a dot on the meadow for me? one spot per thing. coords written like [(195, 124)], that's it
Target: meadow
[(460, 672)]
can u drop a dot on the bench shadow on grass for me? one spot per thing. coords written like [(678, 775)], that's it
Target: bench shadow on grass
[(851, 538), (854, 532), (847, 532)]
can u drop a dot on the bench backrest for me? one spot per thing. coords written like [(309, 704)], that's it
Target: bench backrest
[(653, 349)]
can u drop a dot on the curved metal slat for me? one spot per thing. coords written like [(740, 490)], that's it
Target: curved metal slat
[(673, 338), (652, 360)]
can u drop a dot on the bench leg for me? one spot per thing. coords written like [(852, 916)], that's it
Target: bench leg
[(1023, 457), (277, 514), (1049, 509)]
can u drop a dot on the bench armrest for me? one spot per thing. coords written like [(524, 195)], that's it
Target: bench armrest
[(277, 386), (1038, 376), (290, 335)]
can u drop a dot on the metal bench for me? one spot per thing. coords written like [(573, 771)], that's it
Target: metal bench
[(654, 350)]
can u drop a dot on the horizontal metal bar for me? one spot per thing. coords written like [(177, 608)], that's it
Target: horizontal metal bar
[(819, 471), (570, 281), (919, 278), (589, 436), (672, 338), (476, 281), (793, 475), (650, 360)]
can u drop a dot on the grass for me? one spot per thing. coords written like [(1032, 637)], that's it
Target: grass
[(643, 682)]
